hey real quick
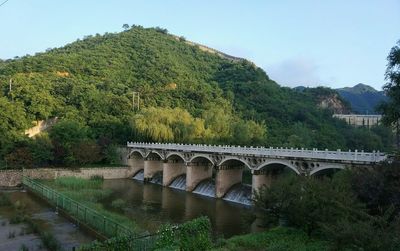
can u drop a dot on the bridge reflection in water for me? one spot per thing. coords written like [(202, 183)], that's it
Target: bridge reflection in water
[(151, 205)]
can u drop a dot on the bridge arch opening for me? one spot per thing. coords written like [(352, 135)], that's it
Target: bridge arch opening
[(268, 172), (325, 172), (154, 155)]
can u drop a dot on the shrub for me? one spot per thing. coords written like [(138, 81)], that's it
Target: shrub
[(118, 204), (192, 235), (5, 200)]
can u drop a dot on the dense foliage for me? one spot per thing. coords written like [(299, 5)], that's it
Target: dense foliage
[(391, 109), (186, 95), (354, 210)]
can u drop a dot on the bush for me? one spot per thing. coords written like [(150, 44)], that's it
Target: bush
[(118, 204), (192, 235), (5, 200)]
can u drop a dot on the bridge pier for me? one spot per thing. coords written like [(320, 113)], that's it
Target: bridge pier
[(135, 163), (226, 178), (260, 179), (151, 167), (197, 172), (171, 170)]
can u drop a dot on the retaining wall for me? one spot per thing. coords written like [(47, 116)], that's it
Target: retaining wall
[(10, 178)]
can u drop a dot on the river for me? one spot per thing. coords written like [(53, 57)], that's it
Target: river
[(151, 205)]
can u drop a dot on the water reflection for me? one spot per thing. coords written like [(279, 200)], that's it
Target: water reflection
[(151, 205)]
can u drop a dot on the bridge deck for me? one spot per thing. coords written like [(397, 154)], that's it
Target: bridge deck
[(370, 157)]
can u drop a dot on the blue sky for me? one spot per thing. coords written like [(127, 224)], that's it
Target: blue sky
[(331, 43)]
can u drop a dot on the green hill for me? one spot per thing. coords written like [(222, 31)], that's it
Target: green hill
[(187, 95), (363, 98)]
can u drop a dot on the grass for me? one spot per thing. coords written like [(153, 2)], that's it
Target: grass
[(4, 200), (277, 239), (74, 183), (90, 193)]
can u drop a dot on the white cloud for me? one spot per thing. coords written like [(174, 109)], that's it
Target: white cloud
[(294, 72)]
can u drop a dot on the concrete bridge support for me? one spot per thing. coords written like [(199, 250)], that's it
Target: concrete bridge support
[(260, 179), (171, 170), (225, 179), (135, 163), (197, 172), (151, 167)]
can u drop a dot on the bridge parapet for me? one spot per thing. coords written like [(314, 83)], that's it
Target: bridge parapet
[(338, 155)]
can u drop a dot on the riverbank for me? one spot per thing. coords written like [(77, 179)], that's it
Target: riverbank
[(29, 224), (276, 239)]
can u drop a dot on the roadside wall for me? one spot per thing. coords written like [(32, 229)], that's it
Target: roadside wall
[(10, 178)]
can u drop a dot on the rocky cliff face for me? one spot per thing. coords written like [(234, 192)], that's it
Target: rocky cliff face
[(334, 103)]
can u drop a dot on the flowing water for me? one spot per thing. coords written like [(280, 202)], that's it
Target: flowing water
[(139, 175), (240, 193), (157, 178), (151, 205), (179, 183), (206, 188)]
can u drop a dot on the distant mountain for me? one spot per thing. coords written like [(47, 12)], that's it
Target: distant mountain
[(362, 98)]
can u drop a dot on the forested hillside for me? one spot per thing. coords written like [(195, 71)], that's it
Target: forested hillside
[(363, 98), (187, 95)]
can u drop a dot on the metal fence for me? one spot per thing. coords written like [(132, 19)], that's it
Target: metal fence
[(101, 224)]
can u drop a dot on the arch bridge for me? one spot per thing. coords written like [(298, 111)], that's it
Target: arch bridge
[(226, 164)]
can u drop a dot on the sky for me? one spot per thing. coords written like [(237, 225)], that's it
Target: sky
[(311, 43)]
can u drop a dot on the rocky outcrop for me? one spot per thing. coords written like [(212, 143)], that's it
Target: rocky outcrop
[(334, 103)]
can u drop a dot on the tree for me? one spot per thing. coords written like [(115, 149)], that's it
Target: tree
[(125, 26), (391, 109)]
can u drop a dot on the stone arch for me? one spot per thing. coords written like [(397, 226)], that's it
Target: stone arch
[(201, 156), (155, 152), (235, 158), (279, 162), (180, 155), (322, 168), (136, 151)]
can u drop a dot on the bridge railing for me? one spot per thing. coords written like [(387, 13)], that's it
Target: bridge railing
[(359, 156)]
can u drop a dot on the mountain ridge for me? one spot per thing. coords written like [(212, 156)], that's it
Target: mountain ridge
[(223, 101)]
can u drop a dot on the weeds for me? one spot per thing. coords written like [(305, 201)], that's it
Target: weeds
[(23, 248), (74, 183), (5, 200)]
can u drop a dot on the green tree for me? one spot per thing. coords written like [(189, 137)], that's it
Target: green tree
[(391, 109)]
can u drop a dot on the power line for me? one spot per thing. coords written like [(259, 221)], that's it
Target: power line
[(3, 2)]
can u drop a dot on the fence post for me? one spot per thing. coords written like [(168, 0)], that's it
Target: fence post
[(84, 216), (104, 224)]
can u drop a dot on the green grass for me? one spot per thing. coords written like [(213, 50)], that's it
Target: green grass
[(74, 183), (89, 192), (277, 239)]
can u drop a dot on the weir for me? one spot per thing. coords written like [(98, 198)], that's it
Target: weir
[(139, 175), (239, 193), (206, 188), (179, 183)]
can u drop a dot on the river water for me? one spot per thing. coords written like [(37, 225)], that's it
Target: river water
[(151, 205)]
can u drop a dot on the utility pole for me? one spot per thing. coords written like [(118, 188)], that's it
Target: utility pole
[(135, 101), (10, 89)]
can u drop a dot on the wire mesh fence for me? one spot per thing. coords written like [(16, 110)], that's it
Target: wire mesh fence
[(120, 235)]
